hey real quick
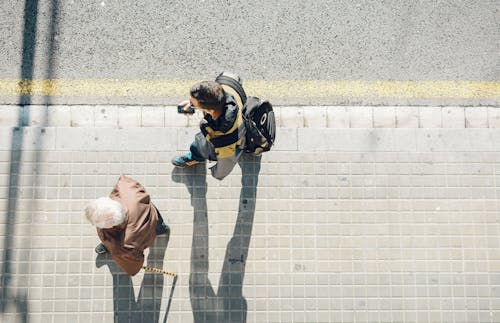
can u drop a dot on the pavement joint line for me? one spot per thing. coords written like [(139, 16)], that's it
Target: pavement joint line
[(260, 88)]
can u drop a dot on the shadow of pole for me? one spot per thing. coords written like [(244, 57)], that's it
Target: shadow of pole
[(228, 305), (31, 7), (29, 40), (148, 304)]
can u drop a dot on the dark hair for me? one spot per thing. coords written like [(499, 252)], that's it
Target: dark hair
[(210, 94)]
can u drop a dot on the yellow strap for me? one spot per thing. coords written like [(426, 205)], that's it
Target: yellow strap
[(158, 271), (235, 94)]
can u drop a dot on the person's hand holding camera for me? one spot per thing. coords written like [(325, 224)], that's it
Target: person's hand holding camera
[(185, 107)]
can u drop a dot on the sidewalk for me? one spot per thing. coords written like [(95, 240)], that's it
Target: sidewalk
[(361, 214)]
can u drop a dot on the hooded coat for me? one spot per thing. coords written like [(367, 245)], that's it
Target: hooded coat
[(127, 242)]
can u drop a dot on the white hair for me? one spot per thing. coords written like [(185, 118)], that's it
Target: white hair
[(105, 213)]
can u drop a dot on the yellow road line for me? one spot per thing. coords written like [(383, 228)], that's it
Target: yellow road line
[(264, 89)]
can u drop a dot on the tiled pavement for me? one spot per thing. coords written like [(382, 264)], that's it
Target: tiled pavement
[(359, 214)]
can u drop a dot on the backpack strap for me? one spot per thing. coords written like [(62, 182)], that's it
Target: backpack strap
[(229, 81), (230, 138)]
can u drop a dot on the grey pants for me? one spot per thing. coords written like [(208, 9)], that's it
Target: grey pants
[(201, 147)]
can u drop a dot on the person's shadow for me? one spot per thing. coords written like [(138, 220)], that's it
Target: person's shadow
[(148, 304), (228, 304)]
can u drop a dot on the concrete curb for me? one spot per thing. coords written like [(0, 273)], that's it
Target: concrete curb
[(287, 116)]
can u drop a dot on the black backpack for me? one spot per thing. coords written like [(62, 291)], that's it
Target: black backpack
[(258, 116)]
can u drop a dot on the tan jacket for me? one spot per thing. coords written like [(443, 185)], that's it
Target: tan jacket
[(127, 242)]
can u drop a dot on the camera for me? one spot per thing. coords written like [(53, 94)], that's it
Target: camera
[(190, 110)]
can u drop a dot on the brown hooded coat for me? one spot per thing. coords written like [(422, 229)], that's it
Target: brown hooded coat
[(127, 242)]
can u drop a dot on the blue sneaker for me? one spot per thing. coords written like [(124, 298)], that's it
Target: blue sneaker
[(185, 161)]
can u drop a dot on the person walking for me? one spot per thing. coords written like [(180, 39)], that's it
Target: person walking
[(127, 223), (222, 131)]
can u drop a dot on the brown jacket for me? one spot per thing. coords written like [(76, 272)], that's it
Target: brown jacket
[(127, 242)]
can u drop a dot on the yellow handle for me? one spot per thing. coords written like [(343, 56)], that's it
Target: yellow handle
[(158, 271)]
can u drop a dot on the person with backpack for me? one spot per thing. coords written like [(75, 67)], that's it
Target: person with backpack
[(222, 133), (227, 128)]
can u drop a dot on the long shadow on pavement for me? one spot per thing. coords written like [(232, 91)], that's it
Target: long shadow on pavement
[(228, 304), (8, 296), (147, 306)]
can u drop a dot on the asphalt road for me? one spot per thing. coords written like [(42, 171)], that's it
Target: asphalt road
[(265, 41)]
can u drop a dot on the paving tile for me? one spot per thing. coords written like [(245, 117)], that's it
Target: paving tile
[(358, 214)]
